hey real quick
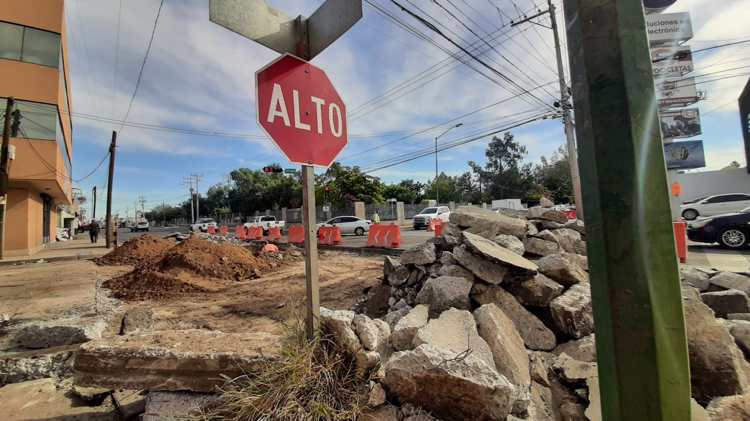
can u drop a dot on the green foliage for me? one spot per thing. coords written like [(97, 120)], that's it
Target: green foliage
[(504, 176), (341, 185), (407, 191), (553, 176)]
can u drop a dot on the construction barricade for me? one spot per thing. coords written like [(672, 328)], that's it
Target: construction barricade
[(329, 236), (211, 230), (239, 232), (387, 236), (437, 226), (274, 233), (680, 240), (254, 233), (224, 230), (296, 234)]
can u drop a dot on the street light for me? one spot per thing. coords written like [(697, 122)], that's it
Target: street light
[(437, 190)]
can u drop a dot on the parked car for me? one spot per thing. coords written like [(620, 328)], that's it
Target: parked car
[(202, 225), (718, 204), (422, 219), (141, 225), (265, 222), (348, 224), (731, 230)]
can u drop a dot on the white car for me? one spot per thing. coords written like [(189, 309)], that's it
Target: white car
[(141, 225), (265, 222), (202, 225), (422, 219), (349, 224), (714, 205)]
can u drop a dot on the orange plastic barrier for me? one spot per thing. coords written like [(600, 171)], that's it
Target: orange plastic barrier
[(329, 235), (387, 236), (297, 234), (270, 248), (438, 226), (571, 214), (224, 230), (274, 233), (254, 233), (239, 232), (680, 240), (431, 225), (211, 230)]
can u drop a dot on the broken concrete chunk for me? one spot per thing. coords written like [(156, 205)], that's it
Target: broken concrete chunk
[(16, 367), (59, 333), (583, 349), (487, 223), (537, 291), (177, 405), (490, 272), (366, 361), (535, 334), (129, 403), (373, 334), (136, 320), (731, 280), (511, 243), (569, 239), (495, 253), (91, 395), (383, 413), (730, 408), (506, 344), (577, 225), (455, 331), (562, 269), (573, 371), (572, 312), (455, 270), (339, 323), (728, 301), (394, 316), (740, 331), (552, 215), (404, 331), (376, 396), (422, 254), (695, 278), (445, 292), (717, 366), (540, 247), (450, 388), (43, 400)]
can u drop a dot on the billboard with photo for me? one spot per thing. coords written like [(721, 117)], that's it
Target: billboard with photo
[(671, 61), (684, 155), (680, 123)]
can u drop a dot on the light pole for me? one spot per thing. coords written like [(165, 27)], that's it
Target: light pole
[(437, 190)]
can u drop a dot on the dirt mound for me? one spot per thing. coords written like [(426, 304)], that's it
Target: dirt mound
[(135, 251), (193, 266)]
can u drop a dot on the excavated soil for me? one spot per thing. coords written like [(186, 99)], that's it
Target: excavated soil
[(136, 251), (195, 265)]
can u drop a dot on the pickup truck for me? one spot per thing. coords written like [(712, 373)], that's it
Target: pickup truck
[(265, 222), (422, 219), (202, 224)]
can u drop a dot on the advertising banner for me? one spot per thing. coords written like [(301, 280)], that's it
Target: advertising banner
[(684, 155), (668, 28), (671, 61), (745, 121), (676, 92), (680, 123)]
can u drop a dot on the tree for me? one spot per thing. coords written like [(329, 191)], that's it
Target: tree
[(504, 176), (341, 185), (407, 191), (553, 176)]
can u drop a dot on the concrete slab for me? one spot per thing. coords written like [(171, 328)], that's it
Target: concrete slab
[(193, 360)]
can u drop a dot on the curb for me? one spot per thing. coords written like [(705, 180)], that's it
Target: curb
[(45, 260)]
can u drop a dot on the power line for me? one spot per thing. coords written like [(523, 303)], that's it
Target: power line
[(143, 65), (469, 53), (714, 47)]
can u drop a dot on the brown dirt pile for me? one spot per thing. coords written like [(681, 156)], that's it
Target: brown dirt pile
[(195, 265), (136, 251)]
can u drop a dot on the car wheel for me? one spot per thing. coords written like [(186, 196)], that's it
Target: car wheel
[(690, 214), (733, 238), (359, 231)]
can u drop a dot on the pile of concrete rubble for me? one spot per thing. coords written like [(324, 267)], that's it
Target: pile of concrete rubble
[(493, 321)]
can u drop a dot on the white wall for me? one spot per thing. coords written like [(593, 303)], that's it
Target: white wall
[(713, 182)]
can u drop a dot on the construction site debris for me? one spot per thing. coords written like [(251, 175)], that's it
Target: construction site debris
[(137, 250)]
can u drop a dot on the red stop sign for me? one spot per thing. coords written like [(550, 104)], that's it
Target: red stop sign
[(301, 111)]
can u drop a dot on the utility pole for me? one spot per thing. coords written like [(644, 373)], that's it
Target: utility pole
[(197, 178), (641, 345), (110, 179), (565, 107), (163, 214), (5, 170), (93, 203), (437, 190)]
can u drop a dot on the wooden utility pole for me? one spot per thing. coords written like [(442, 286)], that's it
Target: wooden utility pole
[(640, 330), (93, 205), (312, 313), (5, 170), (110, 177)]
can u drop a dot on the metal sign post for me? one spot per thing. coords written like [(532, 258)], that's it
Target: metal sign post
[(298, 107)]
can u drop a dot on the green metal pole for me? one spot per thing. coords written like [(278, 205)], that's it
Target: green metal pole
[(640, 329)]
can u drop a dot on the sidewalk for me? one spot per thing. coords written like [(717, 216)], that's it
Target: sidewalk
[(77, 249)]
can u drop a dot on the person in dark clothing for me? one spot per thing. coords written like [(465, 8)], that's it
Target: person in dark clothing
[(94, 231)]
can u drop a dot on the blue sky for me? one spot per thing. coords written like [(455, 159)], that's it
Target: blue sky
[(200, 76)]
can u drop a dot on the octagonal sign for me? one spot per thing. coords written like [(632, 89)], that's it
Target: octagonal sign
[(301, 111)]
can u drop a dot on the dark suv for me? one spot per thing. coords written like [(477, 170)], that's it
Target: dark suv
[(731, 230)]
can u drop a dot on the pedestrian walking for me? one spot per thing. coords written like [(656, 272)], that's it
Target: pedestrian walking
[(94, 232), (376, 218)]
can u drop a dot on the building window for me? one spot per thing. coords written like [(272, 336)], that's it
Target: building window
[(29, 45)]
